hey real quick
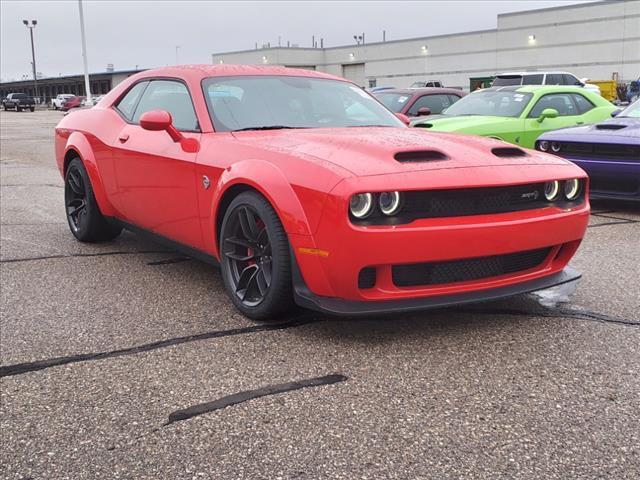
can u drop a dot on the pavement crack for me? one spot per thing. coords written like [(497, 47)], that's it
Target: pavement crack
[(611, 223), (75, 255), (604, 215), (21, 368), (240, 397)]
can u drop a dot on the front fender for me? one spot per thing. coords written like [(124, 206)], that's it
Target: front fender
[(269, 180), (79, 143)]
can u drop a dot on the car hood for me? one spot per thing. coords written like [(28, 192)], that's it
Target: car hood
[(445, 123), (381, 150), (616, 130)]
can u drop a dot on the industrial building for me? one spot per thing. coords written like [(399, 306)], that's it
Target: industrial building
[(49, 87), (599, 41)]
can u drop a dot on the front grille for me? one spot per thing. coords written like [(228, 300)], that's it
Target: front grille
[(473, 201), (435, 273), (601, 150)]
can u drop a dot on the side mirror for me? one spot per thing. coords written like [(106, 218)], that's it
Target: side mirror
[(616, 112), (403, 118), (424, 111), (548, 113), (158, 120)]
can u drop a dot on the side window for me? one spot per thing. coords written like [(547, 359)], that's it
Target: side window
[(582, 103), (553, 79), (453, 99), (558, 101), (171, 96), (571, 80), (435, 103), (127, 104), (533, 79)]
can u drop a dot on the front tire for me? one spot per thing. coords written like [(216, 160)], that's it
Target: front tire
[(86, 222), (255, 259)]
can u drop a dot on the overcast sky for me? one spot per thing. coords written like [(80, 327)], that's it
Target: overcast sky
[(145, 33)]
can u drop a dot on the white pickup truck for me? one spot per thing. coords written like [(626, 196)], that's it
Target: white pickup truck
[(57, 102)]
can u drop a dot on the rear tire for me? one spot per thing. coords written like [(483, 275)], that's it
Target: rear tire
[(255, 259), (18, 109), (83, 215), (32, 109)]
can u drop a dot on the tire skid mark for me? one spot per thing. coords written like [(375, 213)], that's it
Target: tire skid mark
[(612, 223), (21, 368), (169, 261), (574, 313), (74, 255), (602, 215), (240, 397)]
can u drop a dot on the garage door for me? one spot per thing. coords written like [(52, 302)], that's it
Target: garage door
[(355, 73)]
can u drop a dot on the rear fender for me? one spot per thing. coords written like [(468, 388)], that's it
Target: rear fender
[(79, 143)]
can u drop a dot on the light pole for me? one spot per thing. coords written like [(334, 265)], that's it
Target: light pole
[(31, 26), (87, 85), (177, 48)]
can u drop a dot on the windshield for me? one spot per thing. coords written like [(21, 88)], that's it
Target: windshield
[(271, 102), (632, 111), (393, 101), (490, 103)]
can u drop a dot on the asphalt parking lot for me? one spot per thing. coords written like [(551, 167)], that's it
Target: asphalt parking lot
[(125, 360)]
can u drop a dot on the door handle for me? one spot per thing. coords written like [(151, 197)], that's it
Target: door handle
[(579, 123), (123, 138)]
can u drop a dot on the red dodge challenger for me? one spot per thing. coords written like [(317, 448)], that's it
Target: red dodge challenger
[(306, 189)]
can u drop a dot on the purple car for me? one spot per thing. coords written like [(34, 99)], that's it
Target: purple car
[(609, 152)]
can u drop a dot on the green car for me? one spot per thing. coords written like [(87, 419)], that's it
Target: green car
[(520, 114)]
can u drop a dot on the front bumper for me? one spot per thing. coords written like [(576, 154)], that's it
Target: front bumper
[(335, 306), (614, 179)]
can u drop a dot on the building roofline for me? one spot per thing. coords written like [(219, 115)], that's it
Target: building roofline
[(563, 7), (63, 77)]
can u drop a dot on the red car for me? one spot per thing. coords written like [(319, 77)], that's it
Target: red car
[(419, 102), (306, 189), (72, 102)]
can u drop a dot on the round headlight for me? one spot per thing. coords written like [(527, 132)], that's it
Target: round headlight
[(361, 205), (555, 147), (572, 189), (551, 190), (390, 202), (543, 145)]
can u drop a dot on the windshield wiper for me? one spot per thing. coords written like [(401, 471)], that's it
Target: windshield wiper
[(267, 127)]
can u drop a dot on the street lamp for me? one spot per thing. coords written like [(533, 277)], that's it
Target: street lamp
[(31, 26)]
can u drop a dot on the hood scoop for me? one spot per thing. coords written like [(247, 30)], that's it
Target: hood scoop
[(509, 152), (419, 156), (423, 125), (610, 126)]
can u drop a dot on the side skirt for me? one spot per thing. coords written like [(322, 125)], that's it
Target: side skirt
[(166, 242)]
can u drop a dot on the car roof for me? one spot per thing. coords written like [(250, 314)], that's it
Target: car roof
[(536, 89), (421, 91), (229, 70), (533, 72)]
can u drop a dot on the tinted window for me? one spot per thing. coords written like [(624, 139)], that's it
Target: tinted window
[(507, 80), (533, 79), (172, 97), (435, 103), (558, 101), (393, 101), (127, 104), (570, 80), (240, 103), (553, 79), (582, 103)]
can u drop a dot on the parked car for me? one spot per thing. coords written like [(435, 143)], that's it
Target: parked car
[(418, 102), (56, 103), (72, 102), (608, 151), (519, 115), (19, 102), (542, 78), (306, 189), (426, 83)]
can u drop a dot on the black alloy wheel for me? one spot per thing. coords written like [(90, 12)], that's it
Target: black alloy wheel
[(255, 258), (83, 215)]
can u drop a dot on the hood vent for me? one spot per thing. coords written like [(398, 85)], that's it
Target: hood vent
[(420, 156), (508, 152), (610, 126)]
